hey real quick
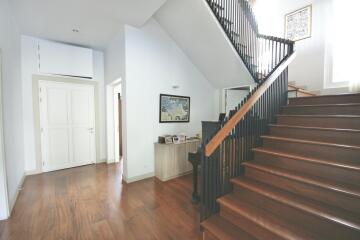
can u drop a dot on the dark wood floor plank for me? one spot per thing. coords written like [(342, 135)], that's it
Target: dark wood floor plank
[(92, 202)]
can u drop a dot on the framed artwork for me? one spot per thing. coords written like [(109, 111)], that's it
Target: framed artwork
[(174, 109), (298, 24)]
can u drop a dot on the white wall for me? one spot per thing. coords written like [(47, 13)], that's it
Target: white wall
[(12, 106), (115, 57), (29, 67), (114, 73), (154, 63), (309, 65), (4, 206)]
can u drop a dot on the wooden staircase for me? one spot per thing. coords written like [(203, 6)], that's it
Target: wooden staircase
[(304, 181)]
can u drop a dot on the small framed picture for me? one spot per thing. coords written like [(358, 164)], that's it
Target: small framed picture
[(298, 24), (174, 109)]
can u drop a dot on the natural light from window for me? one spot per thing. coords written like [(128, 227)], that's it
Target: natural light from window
[(345, 35)]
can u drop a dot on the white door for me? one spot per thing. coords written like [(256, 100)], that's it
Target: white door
[(67, 119)]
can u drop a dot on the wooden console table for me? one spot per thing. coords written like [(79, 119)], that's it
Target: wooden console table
[(171, 160)]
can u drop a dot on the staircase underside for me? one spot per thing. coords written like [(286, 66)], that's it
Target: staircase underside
[(304, 181), (196, 30)]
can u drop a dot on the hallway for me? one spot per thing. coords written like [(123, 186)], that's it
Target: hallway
[(91, 202)]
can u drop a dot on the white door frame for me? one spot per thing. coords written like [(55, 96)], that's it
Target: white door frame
[(4, 200), (117, 90), (43, 83), (112, 121)]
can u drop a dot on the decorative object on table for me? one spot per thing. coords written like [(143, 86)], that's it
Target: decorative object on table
[(166, 139), (298, 24), (174, 108), (193, 138), (179, 139)]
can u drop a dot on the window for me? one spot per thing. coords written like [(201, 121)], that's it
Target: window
[(342, 49)]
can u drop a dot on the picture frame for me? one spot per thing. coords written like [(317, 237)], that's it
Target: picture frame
[(174, 109), (298, 24)]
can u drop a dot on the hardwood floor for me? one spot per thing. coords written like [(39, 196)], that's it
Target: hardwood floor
[(92, 202)]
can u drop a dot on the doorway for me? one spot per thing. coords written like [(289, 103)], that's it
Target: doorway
[(120, 126), (67, 125), (118, 141), (115, 110), (233, 97)]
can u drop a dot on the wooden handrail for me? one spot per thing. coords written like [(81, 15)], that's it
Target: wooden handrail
[(216, 141), (282, 40)]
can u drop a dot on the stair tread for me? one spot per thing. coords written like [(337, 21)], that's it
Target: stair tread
[(319, 116), (311, 142), (322, 105), (265, 219), (335, 95), (312, 180), (315, 128), (318, 209), (308, 159), (225, 230)]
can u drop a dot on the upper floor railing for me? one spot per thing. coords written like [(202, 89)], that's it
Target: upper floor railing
[(267, 59), (260, 53)]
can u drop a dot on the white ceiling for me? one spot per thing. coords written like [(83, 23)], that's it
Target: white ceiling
[(97, 20)]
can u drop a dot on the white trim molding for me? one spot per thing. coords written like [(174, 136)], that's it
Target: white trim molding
[(12, 202), (4, 198), (138, 178)]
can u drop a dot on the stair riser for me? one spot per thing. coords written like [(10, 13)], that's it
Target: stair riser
[(326, 196), (313, 169), (247, 225), (339, 137), (333, 110), (307, 220), (326, 100), (314, 150), (337, 122)]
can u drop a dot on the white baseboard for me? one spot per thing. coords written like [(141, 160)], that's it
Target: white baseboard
[(19, 188), (109, 161), (33, 172), (139, 178), (101, 161)]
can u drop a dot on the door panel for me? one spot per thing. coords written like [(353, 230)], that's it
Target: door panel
[(80, 107), (82, 152), (68, 128), (57, 106), (58, 148), (82, 120)]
